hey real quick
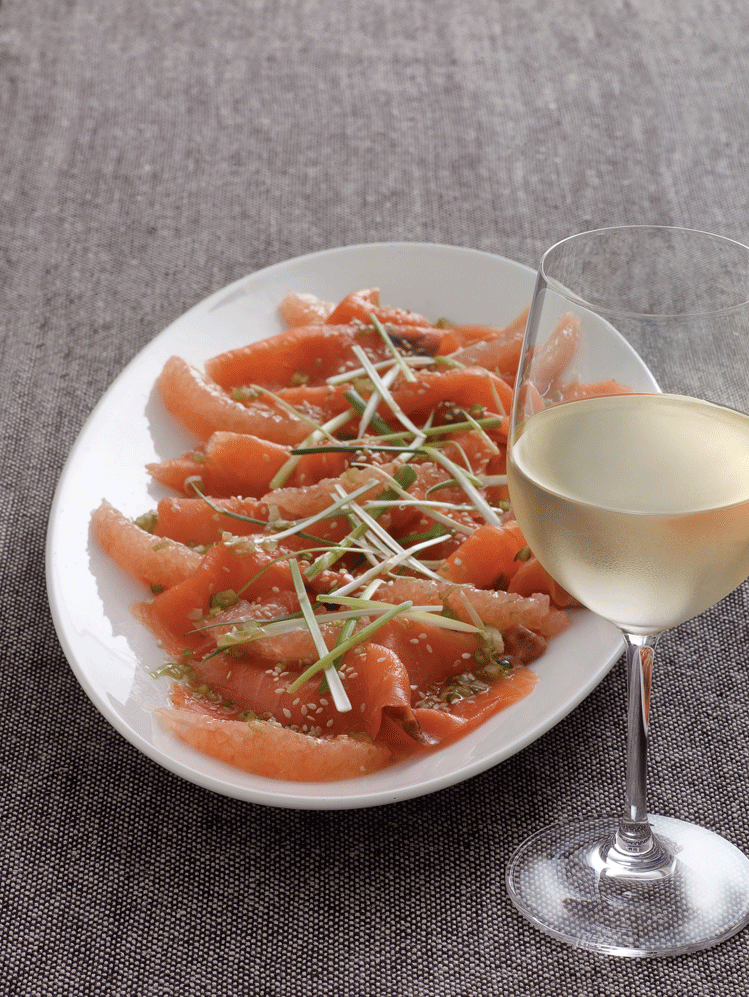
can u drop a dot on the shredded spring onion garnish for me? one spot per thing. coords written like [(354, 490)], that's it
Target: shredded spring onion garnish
[(282, 476), (468, 483), (352, 375), (405, 477), (391, 548), (340, 698), (340, 649), (384, 391), (350, 607), (282, 403), (325, 513), (397, 356)]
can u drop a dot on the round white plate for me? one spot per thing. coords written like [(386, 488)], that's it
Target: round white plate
[(112, 655)]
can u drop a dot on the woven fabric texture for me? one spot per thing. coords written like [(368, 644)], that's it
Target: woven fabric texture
[(152, 153)]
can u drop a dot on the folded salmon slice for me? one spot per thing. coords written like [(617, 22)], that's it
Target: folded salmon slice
[(308, 355)]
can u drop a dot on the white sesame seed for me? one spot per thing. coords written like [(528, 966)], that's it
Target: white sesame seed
[(414, 640), (287, 713), (329, 723), (429, 648), (465, 655), (304, 711)]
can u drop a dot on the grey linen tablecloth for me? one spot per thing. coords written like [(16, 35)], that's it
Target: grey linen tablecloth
[(150, 154)]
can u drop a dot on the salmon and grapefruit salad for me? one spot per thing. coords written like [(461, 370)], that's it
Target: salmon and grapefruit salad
[(334, 572)]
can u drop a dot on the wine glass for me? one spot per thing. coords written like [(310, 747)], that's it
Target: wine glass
[(628, 468)]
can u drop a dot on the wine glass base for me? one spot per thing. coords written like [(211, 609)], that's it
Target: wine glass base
[(557, 880)]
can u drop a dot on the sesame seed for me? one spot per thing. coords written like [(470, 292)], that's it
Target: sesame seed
[(422, 636), (287, 713), (465, 655), (429, 648), (304, 711), (329, 723), (414, 640)]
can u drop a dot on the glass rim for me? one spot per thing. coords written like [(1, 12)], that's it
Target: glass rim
[(601, 309)]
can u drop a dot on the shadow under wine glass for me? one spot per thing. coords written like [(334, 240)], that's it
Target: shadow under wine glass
[(628, 466)]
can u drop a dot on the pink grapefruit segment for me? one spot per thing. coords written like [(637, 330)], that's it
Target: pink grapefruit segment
[(155, 561), (269, 749)]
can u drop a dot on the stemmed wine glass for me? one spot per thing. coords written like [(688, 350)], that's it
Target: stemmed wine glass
[(628, 467)]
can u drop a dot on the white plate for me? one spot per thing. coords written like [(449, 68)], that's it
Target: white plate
[(112, 655)]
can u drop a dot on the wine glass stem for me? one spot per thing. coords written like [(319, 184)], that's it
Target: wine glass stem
[(634, 842)]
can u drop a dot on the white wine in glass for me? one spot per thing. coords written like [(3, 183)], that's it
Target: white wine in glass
[(636, 501)]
